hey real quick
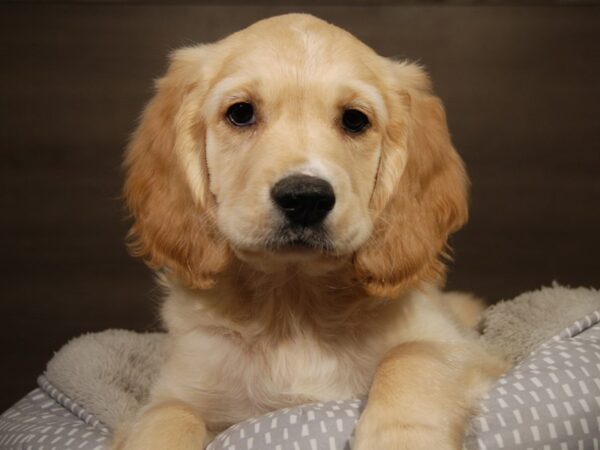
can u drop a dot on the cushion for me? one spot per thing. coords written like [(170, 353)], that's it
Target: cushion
[(549, 400)]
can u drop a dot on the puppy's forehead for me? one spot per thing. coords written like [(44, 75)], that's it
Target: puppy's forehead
[(301, 46)]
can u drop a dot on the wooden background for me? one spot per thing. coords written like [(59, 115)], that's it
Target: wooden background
[(521, 86)]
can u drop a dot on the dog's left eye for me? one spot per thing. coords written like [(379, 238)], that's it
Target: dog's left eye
[(241, 114), (354, 120)]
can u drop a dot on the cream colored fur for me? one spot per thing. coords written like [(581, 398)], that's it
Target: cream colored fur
[(253, 327)]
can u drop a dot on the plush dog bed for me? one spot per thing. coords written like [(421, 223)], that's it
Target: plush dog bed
[(549, 400)]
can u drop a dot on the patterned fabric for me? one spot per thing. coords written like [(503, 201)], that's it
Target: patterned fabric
[(39, 422), (550, 401), (70, 405), (310, 427)]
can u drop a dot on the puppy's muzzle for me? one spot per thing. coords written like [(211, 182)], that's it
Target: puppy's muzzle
[(304, 200)]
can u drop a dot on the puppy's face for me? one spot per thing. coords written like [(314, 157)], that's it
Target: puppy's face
[(292, 141), (294, 130)]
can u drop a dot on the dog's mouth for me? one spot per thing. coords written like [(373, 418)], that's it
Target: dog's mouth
[(309, 249), (290, 238)]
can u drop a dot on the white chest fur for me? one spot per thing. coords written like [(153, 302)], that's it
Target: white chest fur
[(230, 372), (229, 380)]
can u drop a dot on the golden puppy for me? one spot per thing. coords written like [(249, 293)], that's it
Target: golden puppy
[(296, 191)]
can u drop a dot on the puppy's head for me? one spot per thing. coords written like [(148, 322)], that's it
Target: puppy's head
[(291, 142)]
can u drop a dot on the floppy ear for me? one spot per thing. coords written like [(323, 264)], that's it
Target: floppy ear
[(420, 195), (166, 185)]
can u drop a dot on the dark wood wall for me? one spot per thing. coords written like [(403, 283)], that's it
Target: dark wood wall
[(521, 86)]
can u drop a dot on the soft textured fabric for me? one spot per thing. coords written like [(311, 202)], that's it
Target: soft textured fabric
[(515, 327), (308, 427), (39, 422), (550, 400), (108, 373)]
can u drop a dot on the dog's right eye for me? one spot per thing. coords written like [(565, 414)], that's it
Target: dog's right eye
[(354, 121), (241, 114)]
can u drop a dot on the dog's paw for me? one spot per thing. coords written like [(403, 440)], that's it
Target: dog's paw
[(381, 431), (169, 426)]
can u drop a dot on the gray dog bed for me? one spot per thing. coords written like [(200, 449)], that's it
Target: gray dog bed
[(549, 400)]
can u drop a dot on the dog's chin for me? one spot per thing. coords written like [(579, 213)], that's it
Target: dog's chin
[(308, 249), (301, 240)]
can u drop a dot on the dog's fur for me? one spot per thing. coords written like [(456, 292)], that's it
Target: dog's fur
[(256, 325)]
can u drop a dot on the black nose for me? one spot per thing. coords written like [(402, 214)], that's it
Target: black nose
[(304, 200)]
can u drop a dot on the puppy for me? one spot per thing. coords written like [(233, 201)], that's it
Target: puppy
[(295, 191)]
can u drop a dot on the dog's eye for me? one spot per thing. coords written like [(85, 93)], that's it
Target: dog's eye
[(241, 114), (354, 120)]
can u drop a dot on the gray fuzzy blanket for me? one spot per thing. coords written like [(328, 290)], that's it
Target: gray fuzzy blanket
[(109, 373)]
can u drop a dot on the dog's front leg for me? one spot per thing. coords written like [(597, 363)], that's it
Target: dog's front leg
[(172, 425), (422, 396)]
